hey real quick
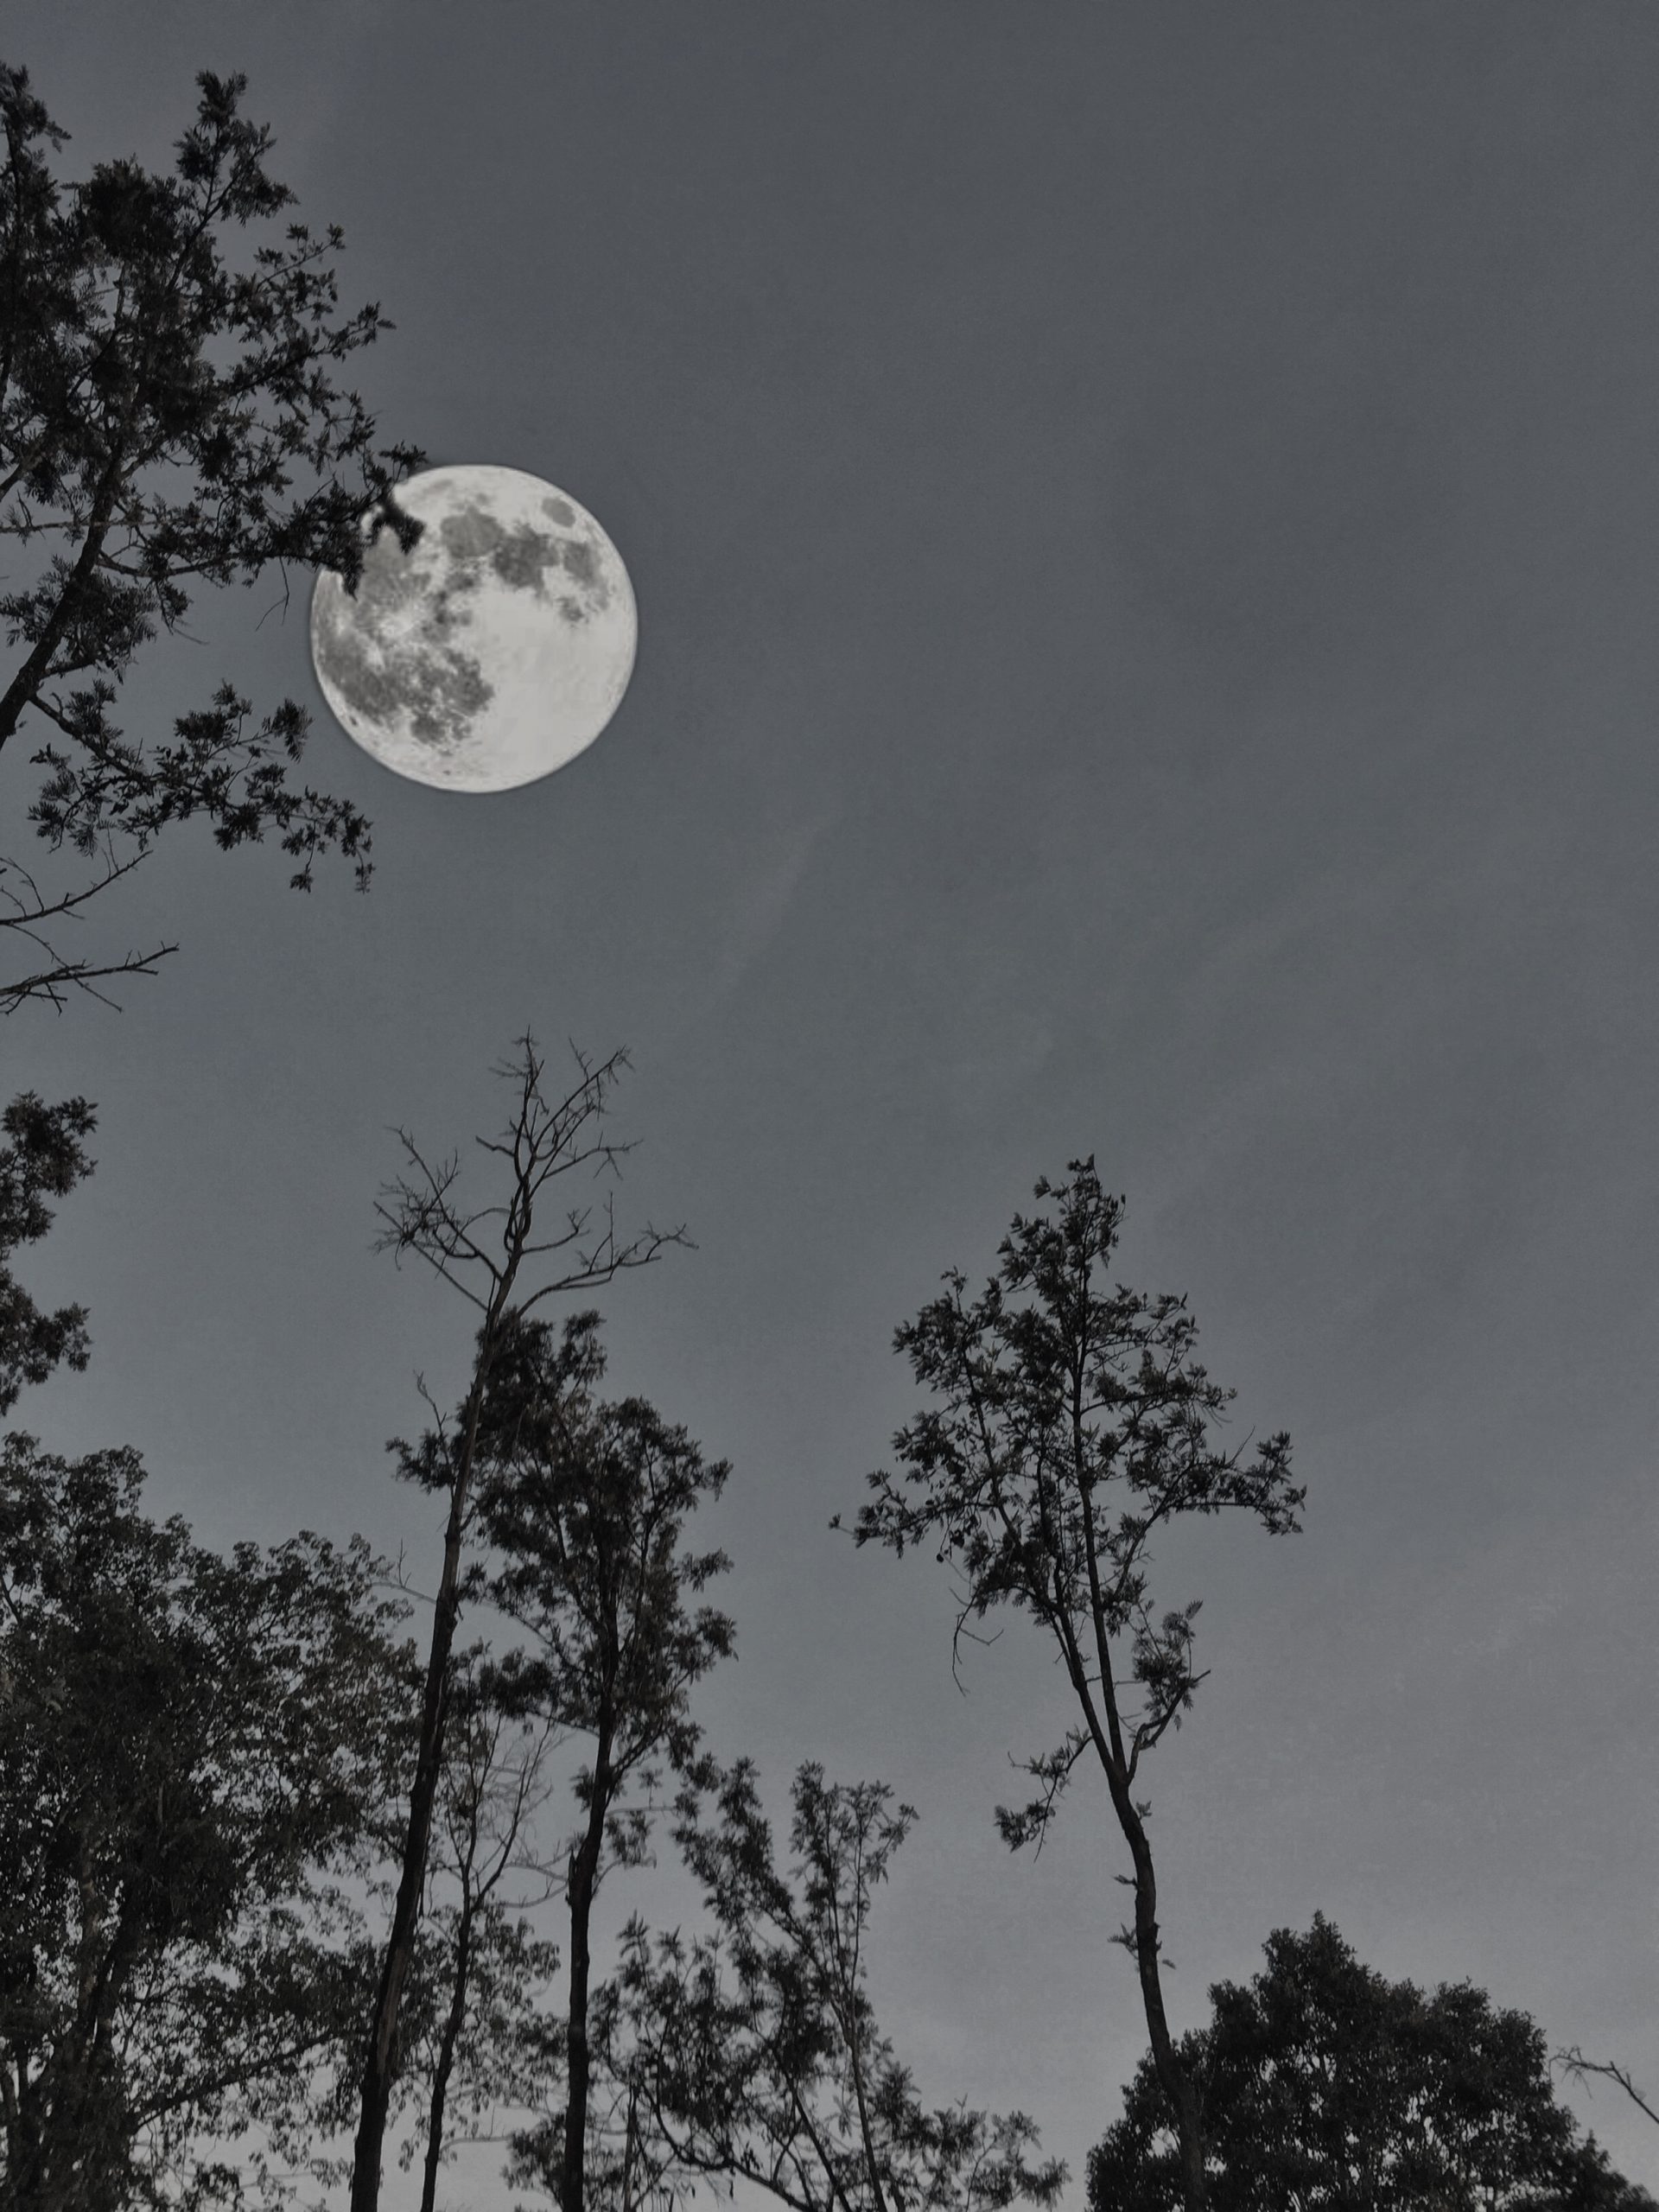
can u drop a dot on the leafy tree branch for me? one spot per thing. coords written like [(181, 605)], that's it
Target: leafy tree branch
[(169, 419)]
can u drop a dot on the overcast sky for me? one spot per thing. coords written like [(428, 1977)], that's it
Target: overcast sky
[(1144, 526)]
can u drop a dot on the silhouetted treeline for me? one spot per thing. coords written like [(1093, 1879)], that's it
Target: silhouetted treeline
[(231, 1925)]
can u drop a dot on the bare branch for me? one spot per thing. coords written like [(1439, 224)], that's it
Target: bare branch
[(1574, 2062), (30, 909)]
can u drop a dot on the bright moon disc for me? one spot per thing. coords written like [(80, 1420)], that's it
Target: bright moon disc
[(493, 653)]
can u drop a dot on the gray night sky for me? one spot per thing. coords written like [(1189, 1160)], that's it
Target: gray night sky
[(1144, 526)]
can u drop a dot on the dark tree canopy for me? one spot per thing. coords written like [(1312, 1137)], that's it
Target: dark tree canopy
[(194, 1753), (585, 1502), (1326, 2085), (168, 420)]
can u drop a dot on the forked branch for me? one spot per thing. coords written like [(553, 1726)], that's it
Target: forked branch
[(482, 1250), (1574, 2062), (28, 910)]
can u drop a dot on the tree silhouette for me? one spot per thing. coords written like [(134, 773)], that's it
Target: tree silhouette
[(167, 420), (1071, 1424), (1326, 2085), (585, 1503), (193, 1751), (753, 2054), (504, 1256), (476, 2034)]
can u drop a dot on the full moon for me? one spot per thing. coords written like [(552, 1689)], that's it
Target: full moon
[(493, 652)]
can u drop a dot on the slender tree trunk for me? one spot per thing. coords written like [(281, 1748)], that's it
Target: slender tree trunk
[(630, 2144), (378, 2064), (1177, 2084), (10, 2112), (584, 1880), (846, 1979), (446, 2061), (1111, 1751), (1172, 2074), (872, 2162), (80, 2133)]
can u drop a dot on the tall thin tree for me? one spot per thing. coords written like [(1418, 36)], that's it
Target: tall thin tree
[(504, 1257), (1071, 1424), (585, 1502)]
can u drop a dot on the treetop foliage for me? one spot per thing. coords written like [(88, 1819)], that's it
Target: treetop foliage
[(1071, 1422), (169, 418), (584, 1502), (1326, 2085)]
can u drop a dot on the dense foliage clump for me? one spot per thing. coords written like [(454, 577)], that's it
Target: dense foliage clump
[(195, 1756), (1325, 2084)]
